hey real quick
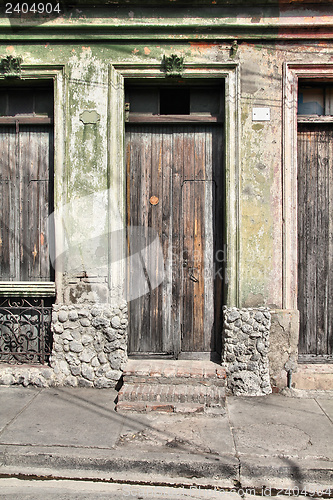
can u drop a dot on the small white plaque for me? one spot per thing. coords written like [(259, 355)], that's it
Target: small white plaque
[(261, 114)]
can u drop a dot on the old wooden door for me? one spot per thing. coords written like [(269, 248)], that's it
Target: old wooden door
[(315, 241), (175, 187)]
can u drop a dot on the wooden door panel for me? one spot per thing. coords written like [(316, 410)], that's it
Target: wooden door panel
[(9, 203), (35, 160), (175, 164), (315, 239), (149, 153), (198, 265)]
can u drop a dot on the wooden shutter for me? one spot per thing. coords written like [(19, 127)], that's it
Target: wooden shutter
[(26, 184)]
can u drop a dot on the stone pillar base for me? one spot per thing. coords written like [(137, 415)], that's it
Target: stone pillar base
[(245, 350), (89, 344)]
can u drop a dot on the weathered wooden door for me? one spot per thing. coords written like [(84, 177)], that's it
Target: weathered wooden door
[(174, 187), (315, 241)]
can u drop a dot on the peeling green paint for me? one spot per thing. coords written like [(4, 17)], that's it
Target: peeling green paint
[(86, 62)]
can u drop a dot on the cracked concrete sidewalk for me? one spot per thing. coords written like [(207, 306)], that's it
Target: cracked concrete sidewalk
[(273, 441)]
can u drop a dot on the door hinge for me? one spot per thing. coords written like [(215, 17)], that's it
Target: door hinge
[(127, 111)]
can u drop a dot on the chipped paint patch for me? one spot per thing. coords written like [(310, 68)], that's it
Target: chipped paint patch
[(10, 49), (201, 46), (146, 51)]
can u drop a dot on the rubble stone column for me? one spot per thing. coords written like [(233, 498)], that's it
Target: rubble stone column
[(245, 350)]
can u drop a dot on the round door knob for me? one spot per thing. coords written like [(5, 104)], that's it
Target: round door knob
[(153, 200)]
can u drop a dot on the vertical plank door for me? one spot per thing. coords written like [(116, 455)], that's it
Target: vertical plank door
[(315, 239), (173, 173)]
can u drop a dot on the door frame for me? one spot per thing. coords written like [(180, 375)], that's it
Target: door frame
[(292, 72), (176, 334), (29, 74), (151, 74)]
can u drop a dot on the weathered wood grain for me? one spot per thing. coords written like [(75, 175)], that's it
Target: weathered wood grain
[(315, 238), (27, 201), (176, 164)]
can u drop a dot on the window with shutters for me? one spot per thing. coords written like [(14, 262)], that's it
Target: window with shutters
[(26, 201), (26, 182)]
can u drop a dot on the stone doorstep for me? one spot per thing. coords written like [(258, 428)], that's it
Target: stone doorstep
[(172, 386), (174, 369), (169, 394), (312, 376), (136, 379)]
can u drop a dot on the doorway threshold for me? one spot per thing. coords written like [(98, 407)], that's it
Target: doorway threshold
[(151, 355)]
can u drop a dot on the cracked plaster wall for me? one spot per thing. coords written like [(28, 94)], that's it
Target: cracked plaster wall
[(260, 203)]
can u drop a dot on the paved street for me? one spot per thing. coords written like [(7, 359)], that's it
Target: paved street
[(16, 489), (275, 441)]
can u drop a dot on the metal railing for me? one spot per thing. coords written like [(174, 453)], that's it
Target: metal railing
[(25, 330)]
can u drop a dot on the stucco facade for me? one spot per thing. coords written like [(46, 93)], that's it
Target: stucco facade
[(91, 54)]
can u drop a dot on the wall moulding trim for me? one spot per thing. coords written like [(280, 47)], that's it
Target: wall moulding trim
[(27, 288), (156, 70), (292, 72), (216, 28), (230, 73)]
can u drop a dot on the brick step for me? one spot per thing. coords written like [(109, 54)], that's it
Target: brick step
[(145, 407), (172, 386)]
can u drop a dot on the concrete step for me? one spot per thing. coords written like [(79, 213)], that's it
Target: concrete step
[(174, 372), (313, 376), (172, 386)]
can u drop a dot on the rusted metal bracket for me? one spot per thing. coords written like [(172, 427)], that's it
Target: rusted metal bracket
[(127, 111)]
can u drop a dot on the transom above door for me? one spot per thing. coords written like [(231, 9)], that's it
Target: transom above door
[(175, 186)]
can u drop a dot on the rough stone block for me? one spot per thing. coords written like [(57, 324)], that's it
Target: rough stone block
[(73, 315), (87, 355), (87, 371), (115, 322), (82, 382), (75, 346), (85, 322), (62, 316)]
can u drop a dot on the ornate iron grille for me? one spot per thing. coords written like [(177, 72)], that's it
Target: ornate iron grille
[(25, 330)]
